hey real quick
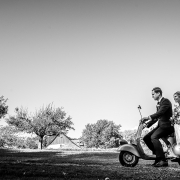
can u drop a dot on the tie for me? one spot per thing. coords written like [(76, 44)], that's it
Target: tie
[(157, 106)]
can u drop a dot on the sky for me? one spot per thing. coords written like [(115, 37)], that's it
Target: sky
[(98, 59)]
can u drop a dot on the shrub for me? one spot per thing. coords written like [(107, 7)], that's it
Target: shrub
[(9, 138), (31, 143)]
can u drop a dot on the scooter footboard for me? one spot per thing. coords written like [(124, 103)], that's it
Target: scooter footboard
[(130, 148)]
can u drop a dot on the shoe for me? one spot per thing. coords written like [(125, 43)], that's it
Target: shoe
[(161, 164), (155, 162)]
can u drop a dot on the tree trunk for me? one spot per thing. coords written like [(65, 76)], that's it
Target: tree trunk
[(40, 143)]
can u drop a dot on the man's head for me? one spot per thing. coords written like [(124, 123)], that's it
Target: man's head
[(156, 93)]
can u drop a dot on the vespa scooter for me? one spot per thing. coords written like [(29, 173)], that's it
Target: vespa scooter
[(131, 153)]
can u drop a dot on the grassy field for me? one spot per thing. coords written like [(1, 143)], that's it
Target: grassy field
[(51, 164)]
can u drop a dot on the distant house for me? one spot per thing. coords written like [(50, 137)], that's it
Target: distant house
[(78, 142), (61, 141)]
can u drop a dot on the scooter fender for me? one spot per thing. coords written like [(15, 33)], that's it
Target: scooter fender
[(130, 148)]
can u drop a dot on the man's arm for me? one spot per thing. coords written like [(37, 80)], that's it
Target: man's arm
[(166, 104), (151, 122)]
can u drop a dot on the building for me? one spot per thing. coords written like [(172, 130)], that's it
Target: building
[(61, 141)]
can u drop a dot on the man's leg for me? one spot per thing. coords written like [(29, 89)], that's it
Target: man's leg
[(148, 142), (159, 133)]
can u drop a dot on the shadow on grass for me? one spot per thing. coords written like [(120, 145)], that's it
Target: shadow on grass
[(58, 164), (57, 156), (16, 164)]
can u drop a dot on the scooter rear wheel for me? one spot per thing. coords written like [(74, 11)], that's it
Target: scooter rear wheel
[(128, 159)]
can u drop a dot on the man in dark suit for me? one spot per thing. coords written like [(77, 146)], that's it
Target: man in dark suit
[(163, 129)]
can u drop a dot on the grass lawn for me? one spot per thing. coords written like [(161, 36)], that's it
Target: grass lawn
[(51, 164)]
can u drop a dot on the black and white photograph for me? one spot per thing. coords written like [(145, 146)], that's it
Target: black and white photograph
[(90, 89)]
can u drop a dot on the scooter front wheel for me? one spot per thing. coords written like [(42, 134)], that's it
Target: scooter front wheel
[(128, 159)]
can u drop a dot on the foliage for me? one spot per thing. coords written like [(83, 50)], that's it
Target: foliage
[(176, 115), (9, 138), (3, 107), (128, 135), (32, 143), (104, 134), (46, 121)]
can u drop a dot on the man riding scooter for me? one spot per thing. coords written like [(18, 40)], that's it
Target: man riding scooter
[(164, 128)]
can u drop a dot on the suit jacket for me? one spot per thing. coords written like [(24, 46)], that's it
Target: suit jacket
[(163, 114)]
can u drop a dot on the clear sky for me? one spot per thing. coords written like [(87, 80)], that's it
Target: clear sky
[(99, 59)]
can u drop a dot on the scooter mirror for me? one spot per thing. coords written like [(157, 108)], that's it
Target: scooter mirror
[(139, 107)]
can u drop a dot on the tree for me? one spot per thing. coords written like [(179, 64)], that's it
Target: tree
[(46, 121), (104, 133), (3, 107), (9, 137), (128, 135)]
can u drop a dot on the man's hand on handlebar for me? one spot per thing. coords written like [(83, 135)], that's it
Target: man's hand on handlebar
[(144, 119), (144, 125)]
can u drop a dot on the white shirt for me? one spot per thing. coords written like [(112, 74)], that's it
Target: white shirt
[(160, 99)]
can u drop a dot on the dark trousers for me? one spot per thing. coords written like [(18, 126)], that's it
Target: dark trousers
[(152, 140)]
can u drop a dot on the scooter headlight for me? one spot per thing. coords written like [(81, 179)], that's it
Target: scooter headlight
[(176, 150)]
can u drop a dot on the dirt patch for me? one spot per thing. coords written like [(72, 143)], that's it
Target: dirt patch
[(46, 164)]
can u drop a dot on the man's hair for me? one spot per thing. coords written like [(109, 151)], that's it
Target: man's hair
[(157, 90), (177, 93)]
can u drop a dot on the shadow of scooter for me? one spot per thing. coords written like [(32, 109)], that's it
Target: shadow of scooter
[(131, 153)]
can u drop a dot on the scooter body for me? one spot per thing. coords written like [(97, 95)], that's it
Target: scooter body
[(131, 153), (130, 148)]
